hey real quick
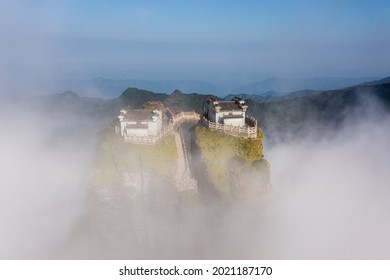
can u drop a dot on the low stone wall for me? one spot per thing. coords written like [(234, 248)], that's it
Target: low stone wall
[(248, 131), (250, 121), (176, 120), (185, 116), (148, 140)]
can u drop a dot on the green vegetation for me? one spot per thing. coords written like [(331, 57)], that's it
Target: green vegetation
[(114, 156), (136, 98), (157, 158), (235, 165), (151, 105), (179, 101), (225, 155)]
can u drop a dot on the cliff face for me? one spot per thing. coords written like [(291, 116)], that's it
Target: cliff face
[(134, 208), (131, 202), (236, 166), (114, 157)]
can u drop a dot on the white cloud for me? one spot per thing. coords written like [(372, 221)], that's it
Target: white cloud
[(332, 196)]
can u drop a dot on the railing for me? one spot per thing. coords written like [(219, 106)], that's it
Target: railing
[(148, 140), (153, 139), (247, 131), (250, 121), (184, 116)]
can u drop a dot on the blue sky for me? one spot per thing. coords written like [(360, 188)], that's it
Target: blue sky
[(232, 41)]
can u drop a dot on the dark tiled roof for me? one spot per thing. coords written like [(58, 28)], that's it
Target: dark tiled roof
[(229, 106), (139, 115)]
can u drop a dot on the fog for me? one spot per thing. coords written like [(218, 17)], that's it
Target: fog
[(329, 197), (44, 163)]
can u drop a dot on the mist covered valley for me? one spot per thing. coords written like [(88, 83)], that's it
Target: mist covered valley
[(328, 173)]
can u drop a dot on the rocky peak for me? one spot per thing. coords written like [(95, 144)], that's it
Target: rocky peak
[(176, 93)]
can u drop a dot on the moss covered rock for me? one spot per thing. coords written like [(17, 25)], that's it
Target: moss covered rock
[(235, 165)]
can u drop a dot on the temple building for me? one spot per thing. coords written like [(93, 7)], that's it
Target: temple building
[(140, 122), (226, 112)]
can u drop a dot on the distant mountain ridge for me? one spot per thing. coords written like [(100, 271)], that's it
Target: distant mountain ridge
[(110, 88), (281, 86), (272, 87), (279, 117), (377, 82), (289, 115), (271, 96)]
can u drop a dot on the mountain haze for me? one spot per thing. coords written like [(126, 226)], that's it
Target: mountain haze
[(322, 146), (277, 115), (272, 87), (281, 86)]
